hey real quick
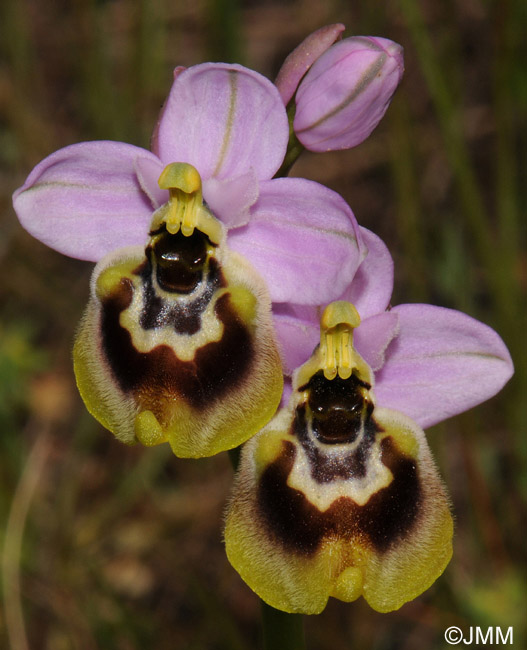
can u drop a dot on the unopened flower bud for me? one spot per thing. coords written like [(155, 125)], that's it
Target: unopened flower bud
[(346, 92), (302, 58)]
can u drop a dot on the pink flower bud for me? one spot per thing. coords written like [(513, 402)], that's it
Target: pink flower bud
[(346, 92), (302, 58)]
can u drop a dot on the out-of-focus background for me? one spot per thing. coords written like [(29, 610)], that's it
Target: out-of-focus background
[(116, 548)]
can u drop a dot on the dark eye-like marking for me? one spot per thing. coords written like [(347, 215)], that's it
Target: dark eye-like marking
[(338, 407), (179, 261)]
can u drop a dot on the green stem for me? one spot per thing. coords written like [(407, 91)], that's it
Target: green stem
[(224, 36), (282, 631), (294, 146), (409, 211), (294, 149)]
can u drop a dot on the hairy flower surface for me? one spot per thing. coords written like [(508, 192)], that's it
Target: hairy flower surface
[(177, 343), (337, 496)]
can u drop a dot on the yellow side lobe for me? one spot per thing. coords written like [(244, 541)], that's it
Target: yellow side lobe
[(110, 278), (243, 301)]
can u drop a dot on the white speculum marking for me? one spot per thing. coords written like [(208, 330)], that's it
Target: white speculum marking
[(359, 488), (183, 345)]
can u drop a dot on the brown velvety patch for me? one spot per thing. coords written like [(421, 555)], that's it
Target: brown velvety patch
[(295, 523), (217, 367)]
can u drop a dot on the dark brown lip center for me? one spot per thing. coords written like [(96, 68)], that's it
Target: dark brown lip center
[(179, 260), (338, 408)]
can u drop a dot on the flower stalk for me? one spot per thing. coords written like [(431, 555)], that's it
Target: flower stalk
[(282, 631), (294, 146)]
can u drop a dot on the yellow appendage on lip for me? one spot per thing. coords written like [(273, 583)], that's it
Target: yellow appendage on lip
[(338, 321), (185, 210), (336, 354)]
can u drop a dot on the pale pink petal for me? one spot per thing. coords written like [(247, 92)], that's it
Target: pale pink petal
[(148, 171), (155, 135), (442, 362), (373, 336), (372, 285), (303, 239), (223, 119), (286, 393), (302, 57), (85, 200), (298, 333), (231, 200)]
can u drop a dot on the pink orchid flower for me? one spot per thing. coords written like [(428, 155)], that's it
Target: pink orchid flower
[(429, 362), (92, 198), (229, 122)]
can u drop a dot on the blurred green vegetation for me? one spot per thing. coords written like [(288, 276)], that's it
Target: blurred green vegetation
[(115, 548)]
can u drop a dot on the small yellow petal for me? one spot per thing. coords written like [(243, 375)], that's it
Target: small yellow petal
[(108, 280), (243, 301)]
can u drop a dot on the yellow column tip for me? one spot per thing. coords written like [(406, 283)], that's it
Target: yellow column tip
[(339, 312), (180, 176)]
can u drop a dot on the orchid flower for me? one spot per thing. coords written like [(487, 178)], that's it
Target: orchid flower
[(229, 122), (429, 362), (337, 496), (160, 358)]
